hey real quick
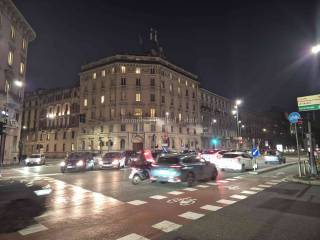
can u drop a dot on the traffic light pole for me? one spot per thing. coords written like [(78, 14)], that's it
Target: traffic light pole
[(311, 156), (2, 146), (298, 149)]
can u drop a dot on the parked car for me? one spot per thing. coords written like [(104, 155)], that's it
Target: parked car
[(80, 161), (113, 160), (35, 159), (182, 168), (274, 157), (239, 161)]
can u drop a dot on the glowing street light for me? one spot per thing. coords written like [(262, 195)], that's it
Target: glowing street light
[(238, 102), (315, 49), (234, 112), (18, 83), (264, 129), (214, 120)]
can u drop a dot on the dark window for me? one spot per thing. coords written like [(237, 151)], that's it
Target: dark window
[(162, 84), (153, 127), (187, 93), (55, 135), (162, 99), (72, 134), (64, 135), (123, 128), (63, 147), (152, 71), (152, 97), (138, 82), (55, 148), (123, 81), (152, 82)]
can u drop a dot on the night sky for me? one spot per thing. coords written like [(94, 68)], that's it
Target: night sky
[(256, 50)]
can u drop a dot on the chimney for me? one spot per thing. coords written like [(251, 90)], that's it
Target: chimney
[(155, 36), (151, 32)]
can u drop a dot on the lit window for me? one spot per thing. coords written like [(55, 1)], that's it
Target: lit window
[(138, 112), (170, 75), (152, 112), (170, 88), (112, 70), (94, 75), (103, 73), (85, 102), (122, 112), (138, 70), (123, 69), (179, 80), (192, 85), (21, 68), (186, 83), (180, 117), (102, 99), (138, 97), (179, 90), (13, 32), (72, 146), (10, 58), (24, 44)]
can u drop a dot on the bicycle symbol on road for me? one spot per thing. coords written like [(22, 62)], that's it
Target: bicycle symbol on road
[(183, 201)]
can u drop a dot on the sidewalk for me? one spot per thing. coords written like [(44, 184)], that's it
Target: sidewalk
[(49, 161), (305, 180)]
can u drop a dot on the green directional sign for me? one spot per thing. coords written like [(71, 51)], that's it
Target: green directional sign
[(309, 103)]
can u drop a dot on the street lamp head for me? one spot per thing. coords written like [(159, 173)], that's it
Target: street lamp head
[(264, 129), (234, 112), (24, 127), (239, 121), (238, 102), (315, 49), (214, 120), (242, 126), (18, 83)]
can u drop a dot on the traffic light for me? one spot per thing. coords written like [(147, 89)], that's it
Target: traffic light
[(214, 141), (2, 128)]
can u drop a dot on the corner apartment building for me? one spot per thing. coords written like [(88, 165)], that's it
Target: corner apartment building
[(50, 121), (15, 35)]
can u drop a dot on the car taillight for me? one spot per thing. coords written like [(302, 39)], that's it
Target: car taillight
[(175, 166)]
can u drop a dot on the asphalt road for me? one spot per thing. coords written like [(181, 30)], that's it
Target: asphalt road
[(105, 205)]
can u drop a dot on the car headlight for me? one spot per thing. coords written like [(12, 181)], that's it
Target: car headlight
[(80, 163), (27, 160), (62, 164), (38, 160), (101, 162), (115, 161)]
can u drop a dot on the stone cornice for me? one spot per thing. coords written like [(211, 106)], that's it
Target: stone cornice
[(8, 8)]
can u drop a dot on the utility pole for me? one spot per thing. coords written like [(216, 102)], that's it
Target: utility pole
[(298, 149), (311, 156)]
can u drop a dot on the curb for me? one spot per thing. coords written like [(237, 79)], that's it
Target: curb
[(269, 169), (309, 182)]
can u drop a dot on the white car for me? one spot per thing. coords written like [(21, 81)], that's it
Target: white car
[(213, 155), (239, 161), (35, 159)]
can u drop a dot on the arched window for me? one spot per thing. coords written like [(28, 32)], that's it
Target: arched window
[(122, 144)]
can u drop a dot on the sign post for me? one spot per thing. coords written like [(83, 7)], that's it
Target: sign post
[(255, 153), (293, 118)]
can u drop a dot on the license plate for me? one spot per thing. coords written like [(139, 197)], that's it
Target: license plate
[(69, 166)]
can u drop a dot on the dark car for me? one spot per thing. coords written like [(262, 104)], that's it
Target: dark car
[(80, 161), (183, 168), (113, 160)]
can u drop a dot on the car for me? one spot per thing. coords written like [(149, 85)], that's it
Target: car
[(113, 160), (35, 159), (274, 157), (182, 168), (80, 161), (239, 161), (212, 155)]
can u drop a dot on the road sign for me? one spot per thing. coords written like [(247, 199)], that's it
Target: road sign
[(255, 152), (309, 103), (294, 117)]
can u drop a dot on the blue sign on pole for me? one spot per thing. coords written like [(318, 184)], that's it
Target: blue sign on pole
[(255, 152), (294, 117)]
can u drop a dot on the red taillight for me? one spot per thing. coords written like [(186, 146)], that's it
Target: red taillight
[(175, 166)]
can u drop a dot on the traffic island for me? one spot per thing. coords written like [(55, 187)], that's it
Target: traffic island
[(272, 168), (305, 180)]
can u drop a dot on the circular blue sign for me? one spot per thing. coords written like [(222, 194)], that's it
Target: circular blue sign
[(255, 152), (294, 117)]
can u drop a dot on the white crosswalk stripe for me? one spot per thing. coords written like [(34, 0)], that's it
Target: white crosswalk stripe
[(33, 229), (191, 215), (213, 183), (248, 192), (137, 202), (238, 177), (190, 189), (133, 236), (222, 181), (236, 196), (166, 226), (264, 186), (202, 186), (271, 183), (210, 207), (231, 179), (256, 189), (158, 197), (226, 201), (175, 193)]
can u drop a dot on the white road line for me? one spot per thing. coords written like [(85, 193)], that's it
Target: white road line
[(248, 192), (213, 183), (264, 186), (175, 193), (231, 179), (256, 189), (166, 226), (238, 177), (32, 229), (190, 189), (202, 186), (271, 183), (137, 202), (158, 197), (280, 173), (236, 196), (133, 236), (275, 180), (226, 201), (210, 207), (191, 215), (222, 181)]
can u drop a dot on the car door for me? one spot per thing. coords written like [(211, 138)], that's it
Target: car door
[(198, 167), (247, 161)]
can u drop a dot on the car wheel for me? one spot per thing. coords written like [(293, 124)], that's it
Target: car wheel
[(190, 179), (214, 174), (136, 179)]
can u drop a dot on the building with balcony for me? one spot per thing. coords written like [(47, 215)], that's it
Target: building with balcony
[(15, 35)]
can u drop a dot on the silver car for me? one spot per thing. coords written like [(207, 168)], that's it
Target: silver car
[(35, 159)]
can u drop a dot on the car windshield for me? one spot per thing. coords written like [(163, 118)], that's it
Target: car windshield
[(231, 155), (112, 155), (35, 156), (168, 160)]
